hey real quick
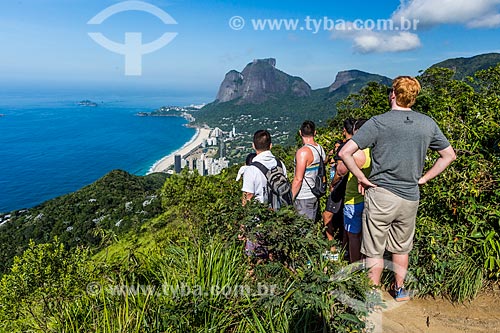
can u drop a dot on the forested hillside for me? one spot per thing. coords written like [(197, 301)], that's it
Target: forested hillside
[(111, 206)]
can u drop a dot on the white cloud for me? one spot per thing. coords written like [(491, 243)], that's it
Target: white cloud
[(371, 41), (473, 13), (414, 14), (490, 21)]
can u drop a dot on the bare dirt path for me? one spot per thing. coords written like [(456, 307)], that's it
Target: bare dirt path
[(439, 315)]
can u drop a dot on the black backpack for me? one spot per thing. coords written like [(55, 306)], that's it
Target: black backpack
[(320, 184), (278, 186)]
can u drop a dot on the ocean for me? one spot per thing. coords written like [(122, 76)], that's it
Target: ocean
[(50, 146)]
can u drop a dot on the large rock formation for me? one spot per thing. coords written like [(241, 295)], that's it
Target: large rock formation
[(352, 77), (258, 82)]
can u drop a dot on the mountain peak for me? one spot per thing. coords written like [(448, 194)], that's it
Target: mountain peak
[(269, 61), (258, 82), (345, 77)]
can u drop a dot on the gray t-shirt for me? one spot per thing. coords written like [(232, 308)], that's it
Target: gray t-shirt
[(399, 141)]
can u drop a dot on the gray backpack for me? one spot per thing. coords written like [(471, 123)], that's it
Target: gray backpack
[(278, 186)]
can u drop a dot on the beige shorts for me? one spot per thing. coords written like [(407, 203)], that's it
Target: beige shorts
[(388, 223)]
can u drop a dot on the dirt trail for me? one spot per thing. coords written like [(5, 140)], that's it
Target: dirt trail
[(439, 315)]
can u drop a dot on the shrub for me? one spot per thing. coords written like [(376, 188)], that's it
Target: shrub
[(40, 283)]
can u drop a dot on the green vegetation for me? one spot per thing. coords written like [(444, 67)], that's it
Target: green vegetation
[(279, 115), (175, 262), (464, 67), (93, 215), (191, 277)]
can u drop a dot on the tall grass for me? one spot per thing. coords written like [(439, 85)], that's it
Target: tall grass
[(203, 287)]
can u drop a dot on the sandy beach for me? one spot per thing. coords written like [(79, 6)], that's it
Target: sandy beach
[(167, 161)]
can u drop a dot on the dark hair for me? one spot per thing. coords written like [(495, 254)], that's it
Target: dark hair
[(360, 122), (250, 157), (308, 128), (349, 125), (262, 140)]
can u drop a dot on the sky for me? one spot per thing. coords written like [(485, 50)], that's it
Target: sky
[(46, 46)]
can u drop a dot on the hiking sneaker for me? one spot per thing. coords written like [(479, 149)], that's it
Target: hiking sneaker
[(401, 294)]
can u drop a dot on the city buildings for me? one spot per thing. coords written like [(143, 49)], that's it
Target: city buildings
[(210, 157)]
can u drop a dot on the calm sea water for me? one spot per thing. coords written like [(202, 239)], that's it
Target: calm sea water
[(50, 147)]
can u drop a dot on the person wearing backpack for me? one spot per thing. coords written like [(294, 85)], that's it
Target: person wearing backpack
[(309, 160), (265, 178)]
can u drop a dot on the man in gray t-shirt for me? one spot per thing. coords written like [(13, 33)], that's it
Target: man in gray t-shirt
[(399, 140)]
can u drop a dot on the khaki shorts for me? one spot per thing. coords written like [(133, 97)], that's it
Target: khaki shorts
[(388, 223)]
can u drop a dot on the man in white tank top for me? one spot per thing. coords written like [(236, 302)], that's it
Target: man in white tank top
[(306, 168)]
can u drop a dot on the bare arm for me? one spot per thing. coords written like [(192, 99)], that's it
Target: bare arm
[(302, 160), (347, 156), (341, 168), (246, 198), (446, 156), (359, 158)]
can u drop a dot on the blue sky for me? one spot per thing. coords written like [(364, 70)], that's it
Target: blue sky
[(45, 43)]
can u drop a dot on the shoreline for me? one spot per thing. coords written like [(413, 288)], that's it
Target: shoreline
[(167, 161)]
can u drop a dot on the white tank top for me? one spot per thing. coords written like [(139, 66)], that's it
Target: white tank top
[(311, 172)]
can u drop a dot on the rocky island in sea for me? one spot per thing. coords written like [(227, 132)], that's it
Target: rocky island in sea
[(87, 103)]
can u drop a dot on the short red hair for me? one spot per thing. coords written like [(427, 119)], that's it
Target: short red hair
[(406, 89)]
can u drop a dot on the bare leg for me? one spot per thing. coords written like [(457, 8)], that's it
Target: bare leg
[(327, 220), (354, 247), (400, 262), (345, 240), (376, 266)]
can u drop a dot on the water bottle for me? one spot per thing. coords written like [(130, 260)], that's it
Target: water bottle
[(332, 172)]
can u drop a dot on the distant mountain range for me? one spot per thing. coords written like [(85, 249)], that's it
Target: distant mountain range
[(276, 100), (264, 92), (261, 81)]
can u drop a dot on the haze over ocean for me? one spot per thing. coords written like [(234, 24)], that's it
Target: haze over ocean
[(50, 146)]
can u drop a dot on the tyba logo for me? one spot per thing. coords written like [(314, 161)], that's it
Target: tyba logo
[(133, 49)]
